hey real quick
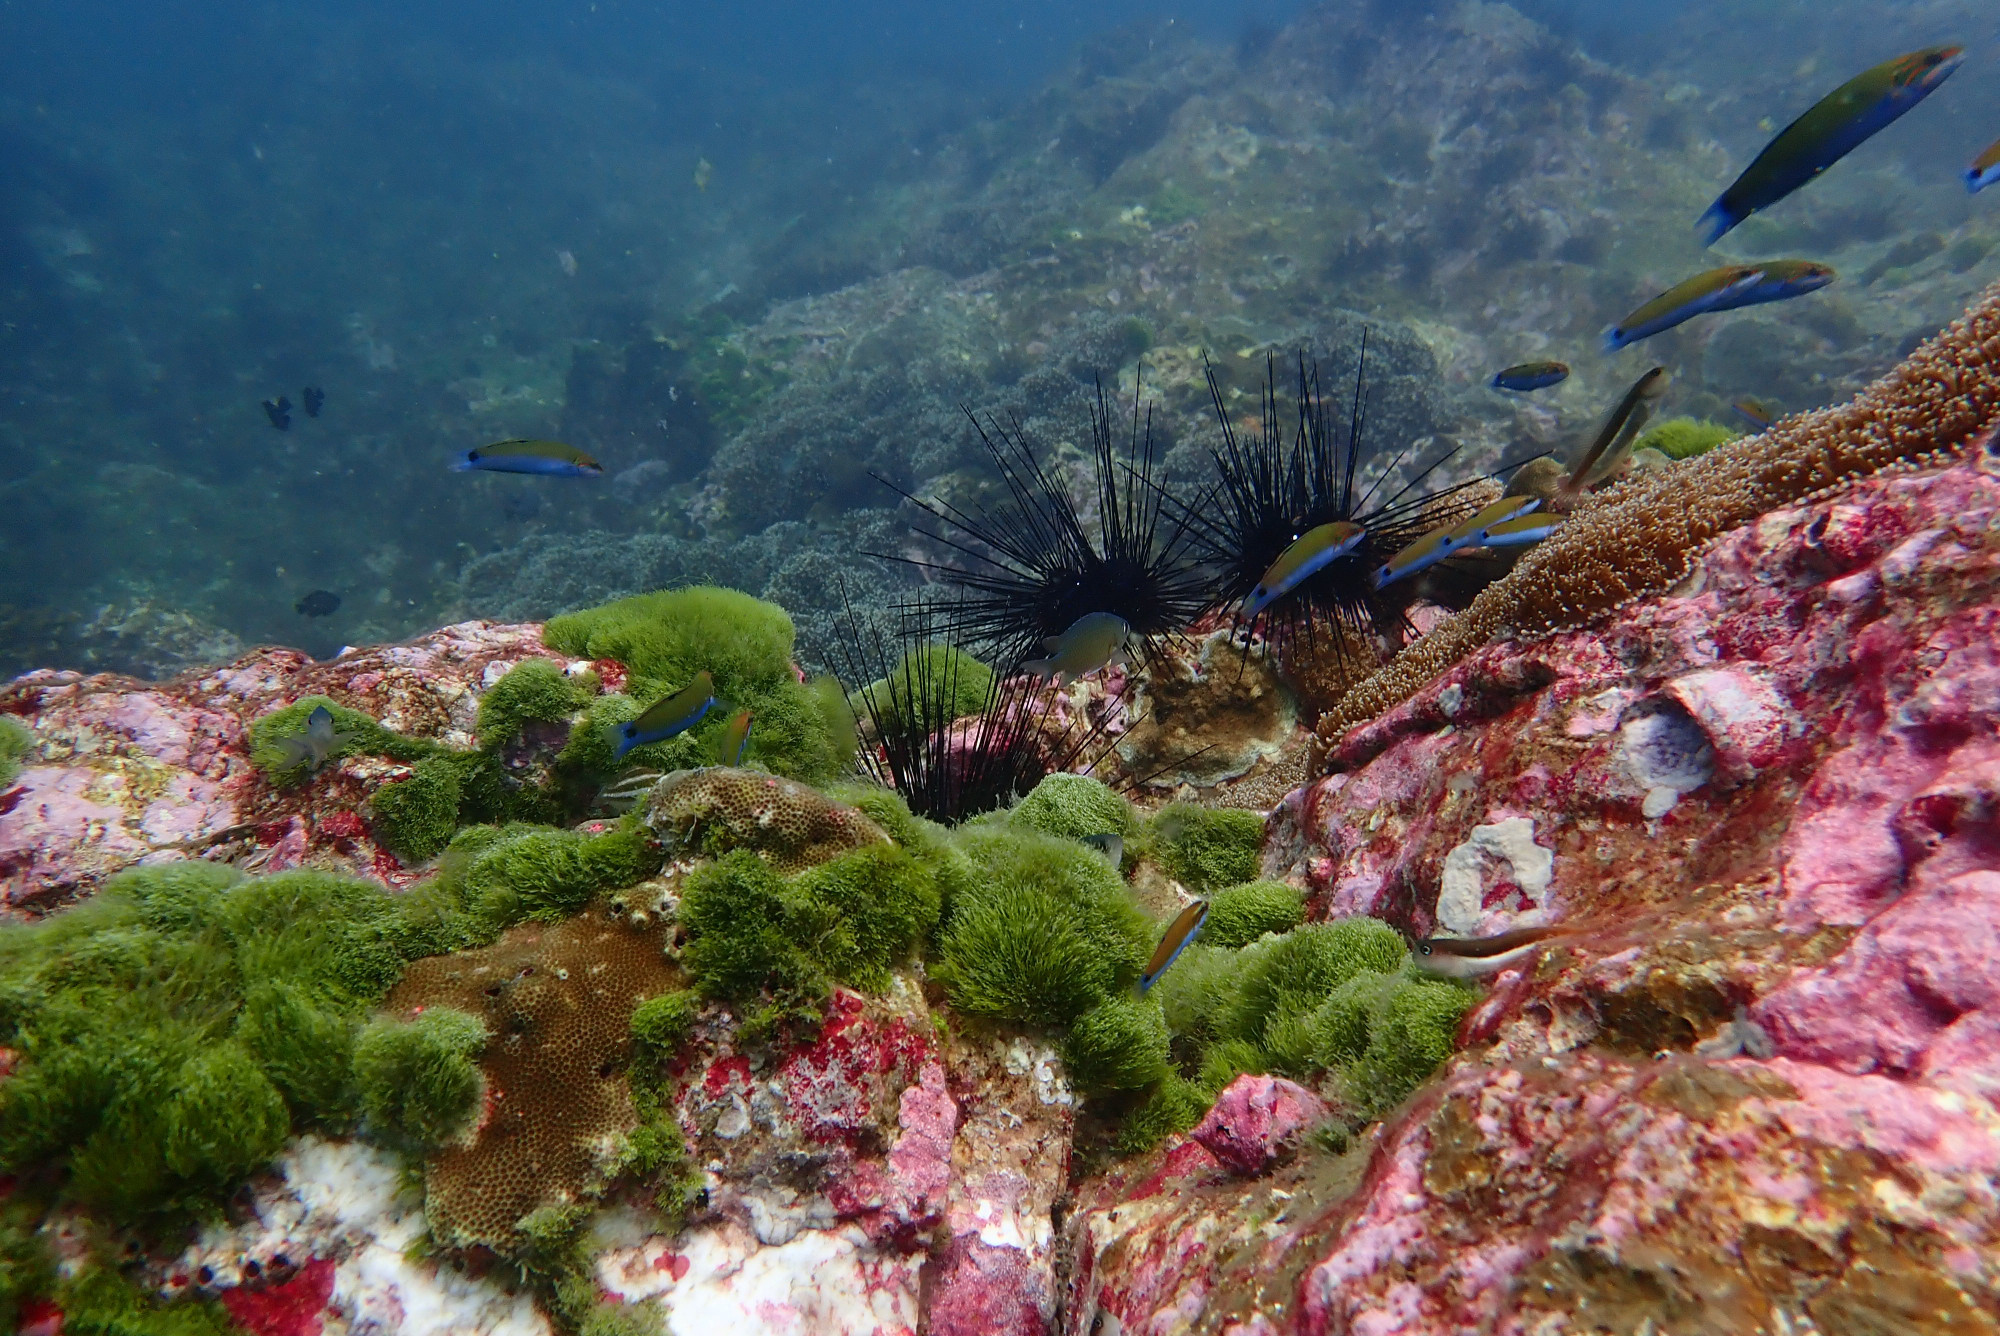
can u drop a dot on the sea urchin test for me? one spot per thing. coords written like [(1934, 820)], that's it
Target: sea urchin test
[(1093, 641), (548, 458), (667, 717), (1831, 129), (1724, 289), (1308, 554)]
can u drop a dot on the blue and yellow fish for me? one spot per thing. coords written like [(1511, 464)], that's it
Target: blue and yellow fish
[(1438, 544), (1831, 129), (734, 739), (1179, 933), (1522, 530), (1308, 554), (550, 459), (1724, 289), (1985, 169), (1754, 411), (1530, 376), (667, 717)]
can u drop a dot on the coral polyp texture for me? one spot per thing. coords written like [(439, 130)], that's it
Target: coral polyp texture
[(556, 1003), (718, 809), (1644, 535)]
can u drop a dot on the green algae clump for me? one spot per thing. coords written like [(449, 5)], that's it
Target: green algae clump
[(754, 933), (533, 691), (1207, 848), (923, 674), (176, 1028), (420, 1087), (15, 743), (1120, 1044), (1044, 932), (1073, 806), (660, 1025), (1685, 437), (494, 877), (664, 639), (415, 817), (1239, 915)]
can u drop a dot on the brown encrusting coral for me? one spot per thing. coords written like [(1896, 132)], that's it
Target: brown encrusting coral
[(557, 999), (717, 809), (1644, 535)]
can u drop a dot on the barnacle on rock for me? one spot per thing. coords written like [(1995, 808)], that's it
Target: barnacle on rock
[(1643, 535)]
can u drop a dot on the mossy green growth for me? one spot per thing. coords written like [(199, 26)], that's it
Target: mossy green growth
[(358, 735), (495, 877), (660, 1025), (754, 934), (1411, 1031), (1207, 848), (415, 817), (1119, 1044), (174, 1029), (1685, 437), (1175, 1105), (26, 1269), (98, 1301), (420, 1085), (1073, 806), (1239, 915), (15, 743), (1044, 932), (922, 675), (533, 691), (664, 639), (1291, 975)]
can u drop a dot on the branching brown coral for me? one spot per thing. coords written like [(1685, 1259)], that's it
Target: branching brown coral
[(1644, 534), (717, 809), (558, 1000)]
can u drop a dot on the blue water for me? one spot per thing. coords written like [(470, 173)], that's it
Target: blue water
[(467, 222)]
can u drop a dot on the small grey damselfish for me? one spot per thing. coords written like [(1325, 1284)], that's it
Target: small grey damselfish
[(1111, 845), (312, 747)]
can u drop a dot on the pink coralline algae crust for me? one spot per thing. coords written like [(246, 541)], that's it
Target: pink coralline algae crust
[(292, 1308), (1254, 1118), (1759, 1089), (123, 772), (981, 1290)]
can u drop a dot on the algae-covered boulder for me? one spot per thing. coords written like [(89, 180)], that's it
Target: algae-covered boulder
[(663, 640)]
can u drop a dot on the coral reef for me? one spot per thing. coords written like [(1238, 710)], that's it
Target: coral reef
[(1644, 536), (1756, 801), (719, 809)]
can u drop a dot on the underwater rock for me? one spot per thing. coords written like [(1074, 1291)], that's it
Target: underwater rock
[(121, 771), (1254, 1118), (1781, 989)]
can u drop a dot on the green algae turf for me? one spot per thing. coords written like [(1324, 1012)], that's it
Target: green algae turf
[(744, 643), (420, 1086), (753, 933), (1119, 1044), (927, 673), (1045, 932), (1685, 437), (176, 1028), (15, 743), (533, 691), (1206, 848), (1239, 915), (1073, 806)]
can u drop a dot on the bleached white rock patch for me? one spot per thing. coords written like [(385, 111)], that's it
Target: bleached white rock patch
[(344, 1201), (1505, 850), (722, 1280)]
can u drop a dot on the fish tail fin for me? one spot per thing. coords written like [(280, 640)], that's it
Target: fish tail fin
[(461, 465), (1039, 667), (1614, 339), (1716, 222)]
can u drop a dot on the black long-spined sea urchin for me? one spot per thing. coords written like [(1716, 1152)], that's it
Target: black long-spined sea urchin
[(1272, 490), (950, 736), (1034, 566)]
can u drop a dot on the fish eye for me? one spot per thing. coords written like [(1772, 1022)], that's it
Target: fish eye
[(1424, 948)]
